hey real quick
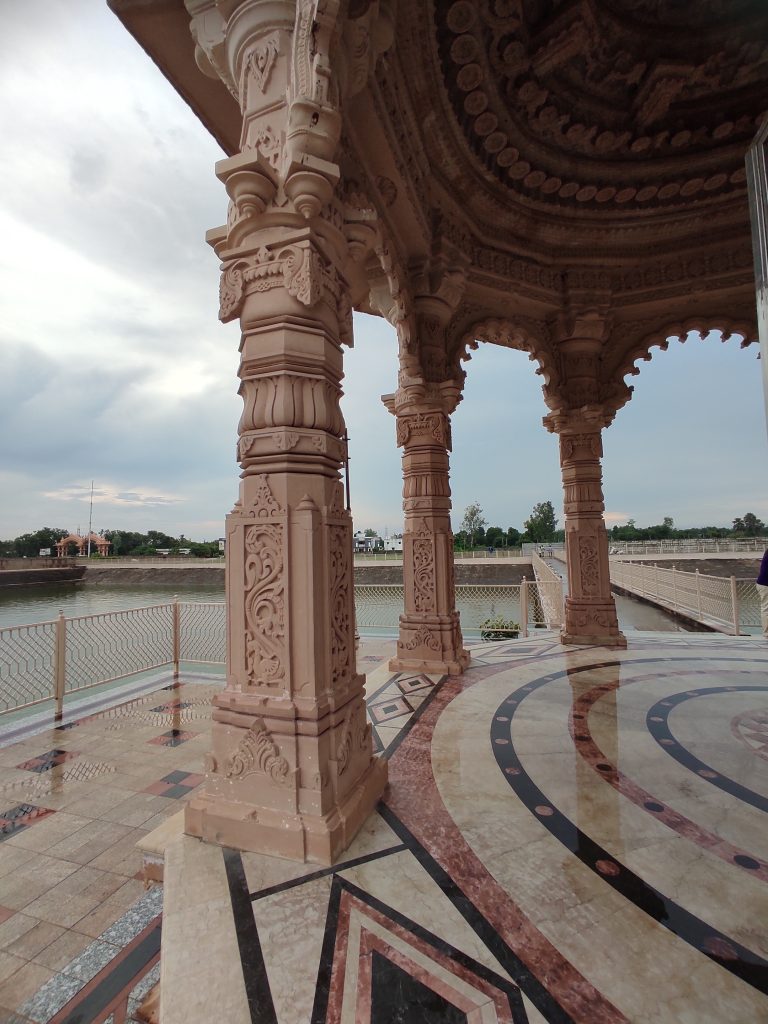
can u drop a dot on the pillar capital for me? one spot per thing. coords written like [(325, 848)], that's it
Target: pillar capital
[(589, 419), (416, 396)]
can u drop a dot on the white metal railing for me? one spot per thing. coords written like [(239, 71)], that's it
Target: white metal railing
[(47, 661), (552, 595), (703, 545), (378, 605), (730, 604)]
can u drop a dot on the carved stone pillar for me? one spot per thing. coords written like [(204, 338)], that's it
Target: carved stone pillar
[(430, 637), (590, 610), (291, 771)]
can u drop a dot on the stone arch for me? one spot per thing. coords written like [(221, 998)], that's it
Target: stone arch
[(659, 336), (531, 338)]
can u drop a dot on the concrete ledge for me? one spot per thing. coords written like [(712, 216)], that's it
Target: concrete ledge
[(154, 844)]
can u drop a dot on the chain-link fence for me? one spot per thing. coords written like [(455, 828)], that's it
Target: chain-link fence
[(27, 664), (730, 604), (49, 660), (202, 632), (112, 645)]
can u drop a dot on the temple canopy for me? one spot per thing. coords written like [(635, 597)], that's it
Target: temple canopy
[(566, 179), (98, 543)]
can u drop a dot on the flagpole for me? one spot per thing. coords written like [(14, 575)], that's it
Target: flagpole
[(90, 522)]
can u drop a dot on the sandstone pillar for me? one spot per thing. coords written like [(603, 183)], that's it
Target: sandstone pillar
[(590, 610), (430, 637), (291, 771)]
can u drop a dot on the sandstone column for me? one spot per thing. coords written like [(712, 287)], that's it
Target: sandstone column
[(590, 610), (291, 771), (430, 637)]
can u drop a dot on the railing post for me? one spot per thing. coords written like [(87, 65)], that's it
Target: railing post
[(176, 637), (698, 593), (60, 665), (674, 589), (524, 605), (735, 606)]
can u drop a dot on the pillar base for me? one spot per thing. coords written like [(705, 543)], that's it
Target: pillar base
[(432, 644), (616, 639), (316, 839), (442, 668)]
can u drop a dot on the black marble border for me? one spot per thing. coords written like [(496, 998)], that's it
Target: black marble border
[(322, 991), (480, 925), (723, 950), (661, 732), (293, 883), (121, 976), (257, 990)]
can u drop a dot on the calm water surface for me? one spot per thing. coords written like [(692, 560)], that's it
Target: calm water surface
[(42, 603)]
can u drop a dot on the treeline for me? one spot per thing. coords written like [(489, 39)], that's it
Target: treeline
[(125, 543), (497, 537), (743, 527)]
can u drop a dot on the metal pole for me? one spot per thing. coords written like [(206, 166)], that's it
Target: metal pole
[(60, 665), (176, 637), (524, 605), (698, 593), (735, 606), (90, 522), (346, 469)]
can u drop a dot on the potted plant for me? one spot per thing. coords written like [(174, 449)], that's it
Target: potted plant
[(499, 628)]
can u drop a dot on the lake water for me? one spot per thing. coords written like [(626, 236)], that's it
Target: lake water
[(20, 605)]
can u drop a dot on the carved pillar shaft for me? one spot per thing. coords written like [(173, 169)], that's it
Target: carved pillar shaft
[(430, 637), (291, 771), (590, 610)]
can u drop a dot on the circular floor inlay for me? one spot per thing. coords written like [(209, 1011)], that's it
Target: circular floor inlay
[(746, 862), (608, 867), (719, 947)]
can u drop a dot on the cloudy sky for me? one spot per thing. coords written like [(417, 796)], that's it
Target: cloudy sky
[(114, 368)]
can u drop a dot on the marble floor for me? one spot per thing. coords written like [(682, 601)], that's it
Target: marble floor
[(568, 835)]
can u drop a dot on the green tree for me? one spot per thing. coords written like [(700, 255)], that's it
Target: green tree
[(29, 544), (494, 536), (370, 533), (542, 522), (473, 522), (753, 527)]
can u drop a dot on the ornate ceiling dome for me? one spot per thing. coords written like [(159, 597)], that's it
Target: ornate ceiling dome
[(607, 105)]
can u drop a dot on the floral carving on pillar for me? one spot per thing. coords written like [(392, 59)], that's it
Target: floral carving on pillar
[(257, 753), (261, 61), (340, 601), (265, 605), (589, 568), (424, 574), (423, 638)]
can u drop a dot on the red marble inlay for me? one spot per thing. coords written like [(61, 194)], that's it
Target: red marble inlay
[(596, 758), (414, 798), (399, 949)]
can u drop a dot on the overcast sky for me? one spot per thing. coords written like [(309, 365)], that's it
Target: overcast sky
[(115, 368)]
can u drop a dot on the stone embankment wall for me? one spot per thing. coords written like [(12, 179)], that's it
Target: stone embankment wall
[(38, 563), (474, 573), (35, 577), (157, 575), (477, 573)]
